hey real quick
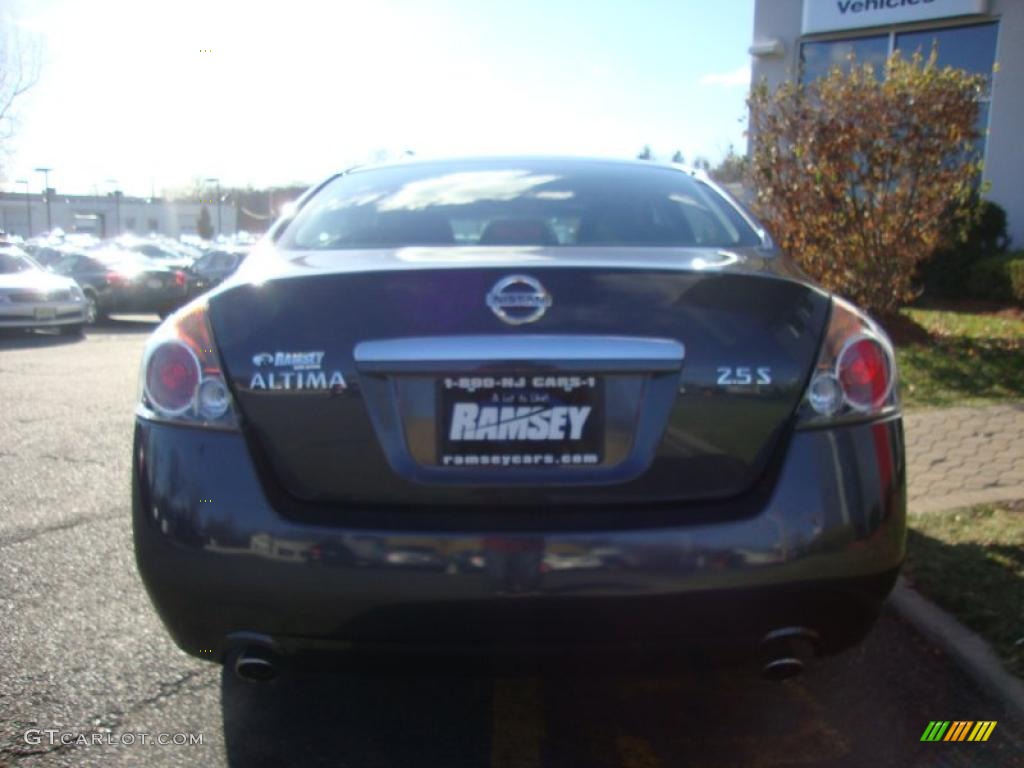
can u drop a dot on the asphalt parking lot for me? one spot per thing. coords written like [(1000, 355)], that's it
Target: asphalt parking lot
[(82, 652)]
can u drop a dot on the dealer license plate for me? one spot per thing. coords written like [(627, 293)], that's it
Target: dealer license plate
[(521, 420)]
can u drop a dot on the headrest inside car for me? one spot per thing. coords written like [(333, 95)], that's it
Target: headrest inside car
[(518, 232)]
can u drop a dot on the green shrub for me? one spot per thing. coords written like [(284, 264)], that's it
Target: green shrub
[(947, 273), (1015, 268), (987, 234), (998, 278)]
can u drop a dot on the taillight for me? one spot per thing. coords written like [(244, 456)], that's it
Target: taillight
[(856, 371), (172, 377), (179, 278), (865, 373), (182, 380), (116, 278)]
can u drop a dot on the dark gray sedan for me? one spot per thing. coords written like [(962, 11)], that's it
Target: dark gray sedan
[(523, 403), (116, 281)]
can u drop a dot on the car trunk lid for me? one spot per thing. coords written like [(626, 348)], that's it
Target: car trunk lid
[(642, 381)]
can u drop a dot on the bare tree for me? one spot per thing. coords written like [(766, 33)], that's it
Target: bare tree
[(20, 56)]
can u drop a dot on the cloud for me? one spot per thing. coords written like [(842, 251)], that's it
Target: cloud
[(734, 79)]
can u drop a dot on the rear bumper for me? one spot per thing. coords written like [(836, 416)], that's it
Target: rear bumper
[(51, 314), (218, 560)]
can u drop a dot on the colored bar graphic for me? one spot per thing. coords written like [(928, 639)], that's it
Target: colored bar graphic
[(935, 730), (982, 730), (958, 730)]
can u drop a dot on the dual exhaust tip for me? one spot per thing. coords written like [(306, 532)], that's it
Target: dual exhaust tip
[(784, 653)]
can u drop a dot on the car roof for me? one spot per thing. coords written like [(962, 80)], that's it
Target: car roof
[(535, 162)]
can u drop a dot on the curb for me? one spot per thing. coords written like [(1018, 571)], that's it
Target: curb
[(968, 648)]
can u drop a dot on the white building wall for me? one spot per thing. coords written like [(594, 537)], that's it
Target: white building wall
[(777, 20), (780, 20), (1004, 155), (172, 218)]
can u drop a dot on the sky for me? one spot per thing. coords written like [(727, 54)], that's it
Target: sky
[(145, 96)]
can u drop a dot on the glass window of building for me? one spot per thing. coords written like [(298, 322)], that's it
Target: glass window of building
[(818, 59), (971, 48)]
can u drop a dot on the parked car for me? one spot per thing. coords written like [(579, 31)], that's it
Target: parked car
[(31, 297), (170, 253), (163, 255), (195, 242), (116, 280), (49, 249), (44, 255), (649, 425), (213, 267)]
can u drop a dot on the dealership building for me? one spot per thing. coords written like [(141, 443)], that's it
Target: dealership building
[(803, 39), (28, 214)]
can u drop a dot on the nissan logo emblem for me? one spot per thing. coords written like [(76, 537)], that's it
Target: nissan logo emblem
[(519, 299)]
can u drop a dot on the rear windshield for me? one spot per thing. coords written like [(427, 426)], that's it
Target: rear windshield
[(517, 204), (11, 262)]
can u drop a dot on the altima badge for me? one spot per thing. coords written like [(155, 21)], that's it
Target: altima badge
[(519, 299)]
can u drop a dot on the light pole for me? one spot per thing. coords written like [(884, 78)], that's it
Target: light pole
[(28, 204), (117, 207), (46, 191), (215, 180)]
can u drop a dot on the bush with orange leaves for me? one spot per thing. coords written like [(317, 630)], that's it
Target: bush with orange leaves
[(859, 174)]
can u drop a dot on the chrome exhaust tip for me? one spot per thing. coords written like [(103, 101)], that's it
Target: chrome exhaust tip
[(782, 669), (786, 650), (255, 666)]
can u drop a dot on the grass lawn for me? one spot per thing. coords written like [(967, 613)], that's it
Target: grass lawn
[(971, 562), (950, 357)]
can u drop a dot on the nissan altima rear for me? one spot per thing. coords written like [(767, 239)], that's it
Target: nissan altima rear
[(498, 404)]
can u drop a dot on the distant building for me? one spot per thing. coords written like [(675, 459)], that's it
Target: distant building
[(107, 216), (803, 39)]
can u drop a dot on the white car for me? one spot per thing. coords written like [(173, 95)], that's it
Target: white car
[(31, 297)]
